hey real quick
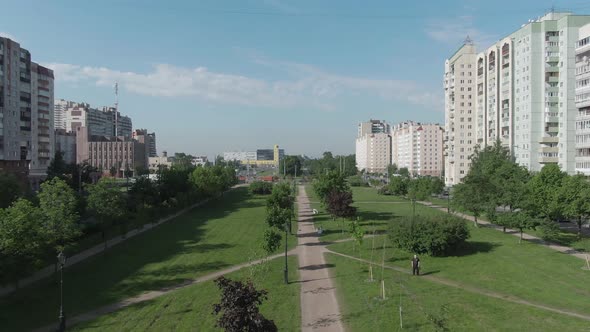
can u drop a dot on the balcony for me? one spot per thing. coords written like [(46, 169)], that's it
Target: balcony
[(552, 79), (551, 118), (552, 38), (551, 69), (548, 160), (549, 139), (549, 149), (552, 129), (551, 59), (550, 88), (551, 99)]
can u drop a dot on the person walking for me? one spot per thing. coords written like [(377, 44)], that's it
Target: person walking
[(416, 265)]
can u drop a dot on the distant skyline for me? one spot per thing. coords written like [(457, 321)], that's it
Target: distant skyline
[(215, 76)]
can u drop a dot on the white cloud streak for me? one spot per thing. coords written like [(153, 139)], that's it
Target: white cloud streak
[(307, 87), (456, 30)]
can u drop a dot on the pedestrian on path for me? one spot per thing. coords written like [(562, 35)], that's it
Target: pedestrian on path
[(416, 265)]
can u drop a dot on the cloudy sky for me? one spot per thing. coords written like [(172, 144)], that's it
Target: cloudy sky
[(213, 76)]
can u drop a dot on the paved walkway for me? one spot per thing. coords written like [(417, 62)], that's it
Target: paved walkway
[(91, 315), (476, 290), (319, 306), (563, 249)]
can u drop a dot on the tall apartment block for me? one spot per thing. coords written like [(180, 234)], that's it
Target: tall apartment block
[(70, 115), (582, 100), (373, 146), (460, 115), (152, 147), (526, 95), (26, 114), (418, 147)]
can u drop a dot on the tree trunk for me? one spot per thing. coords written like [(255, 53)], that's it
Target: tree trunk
[(579, 226), (475, 221), (520, 240)]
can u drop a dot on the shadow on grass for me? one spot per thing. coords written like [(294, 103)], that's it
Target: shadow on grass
[(317, 267), (127, 269), (368, 216), (471, 248)]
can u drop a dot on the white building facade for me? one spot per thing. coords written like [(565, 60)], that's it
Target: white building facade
[(582, 101), (460, 116), (526, 97), (418, 147), (373, 146)]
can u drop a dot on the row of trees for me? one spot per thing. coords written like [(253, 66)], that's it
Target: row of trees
[(33, 230), (345, 165), (495, 182)]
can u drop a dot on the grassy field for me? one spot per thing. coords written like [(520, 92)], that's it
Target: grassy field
[(190, 309), (374, 212), (217, 235), (364, 310), (491, 260)]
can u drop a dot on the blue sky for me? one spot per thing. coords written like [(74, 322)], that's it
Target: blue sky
[(213, 76)]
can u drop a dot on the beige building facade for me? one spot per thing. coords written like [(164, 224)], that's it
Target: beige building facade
[(373, 146), (418, 147)]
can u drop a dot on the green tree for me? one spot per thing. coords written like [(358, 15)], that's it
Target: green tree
[(518, 220), (206, 182), (239, 307), (543, 189), (57, 167), (392, 169), (106, 203), (290, 164), (58, 205), (574, 198), (404, 172), (470, 197), (21, 240), (10, 189), (183, 161), (329, 182), (272, 241), (398, 185)]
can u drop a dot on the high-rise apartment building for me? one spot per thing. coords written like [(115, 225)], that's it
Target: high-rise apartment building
[(527, 84), (71, 115), (26, 113), (152, 152), (460, 116), (582, 101), (525, 98), (373, 146), (418, 147)]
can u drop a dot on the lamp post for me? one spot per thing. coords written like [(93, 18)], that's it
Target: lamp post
[(61, 260), (286, 270)]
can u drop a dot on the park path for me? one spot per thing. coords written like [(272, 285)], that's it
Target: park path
[(319, 306), (147, 296), (471, 289), (563, 249)]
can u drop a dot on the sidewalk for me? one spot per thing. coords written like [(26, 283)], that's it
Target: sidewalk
[(319, 306), (563, 249)]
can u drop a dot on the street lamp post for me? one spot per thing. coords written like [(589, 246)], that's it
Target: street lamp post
[(286, 270), (61, 260)]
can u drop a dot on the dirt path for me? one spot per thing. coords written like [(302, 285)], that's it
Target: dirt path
[(319, 306), (91, 315), (475, 290), (563, 249)]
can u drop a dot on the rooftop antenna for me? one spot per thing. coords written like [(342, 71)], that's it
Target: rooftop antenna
[(116, 109), (468, 41)]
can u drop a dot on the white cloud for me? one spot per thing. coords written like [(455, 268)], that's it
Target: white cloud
[(456, 30), (305, 86)]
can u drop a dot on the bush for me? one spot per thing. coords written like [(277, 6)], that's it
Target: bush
[(549, 230), (435, 236), (260, 188), (384, 191), (357, 181)]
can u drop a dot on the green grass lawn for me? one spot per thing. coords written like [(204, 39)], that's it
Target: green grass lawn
[(364, 310), (190, 308), (374, 212), (221, 233), (490, 260)]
